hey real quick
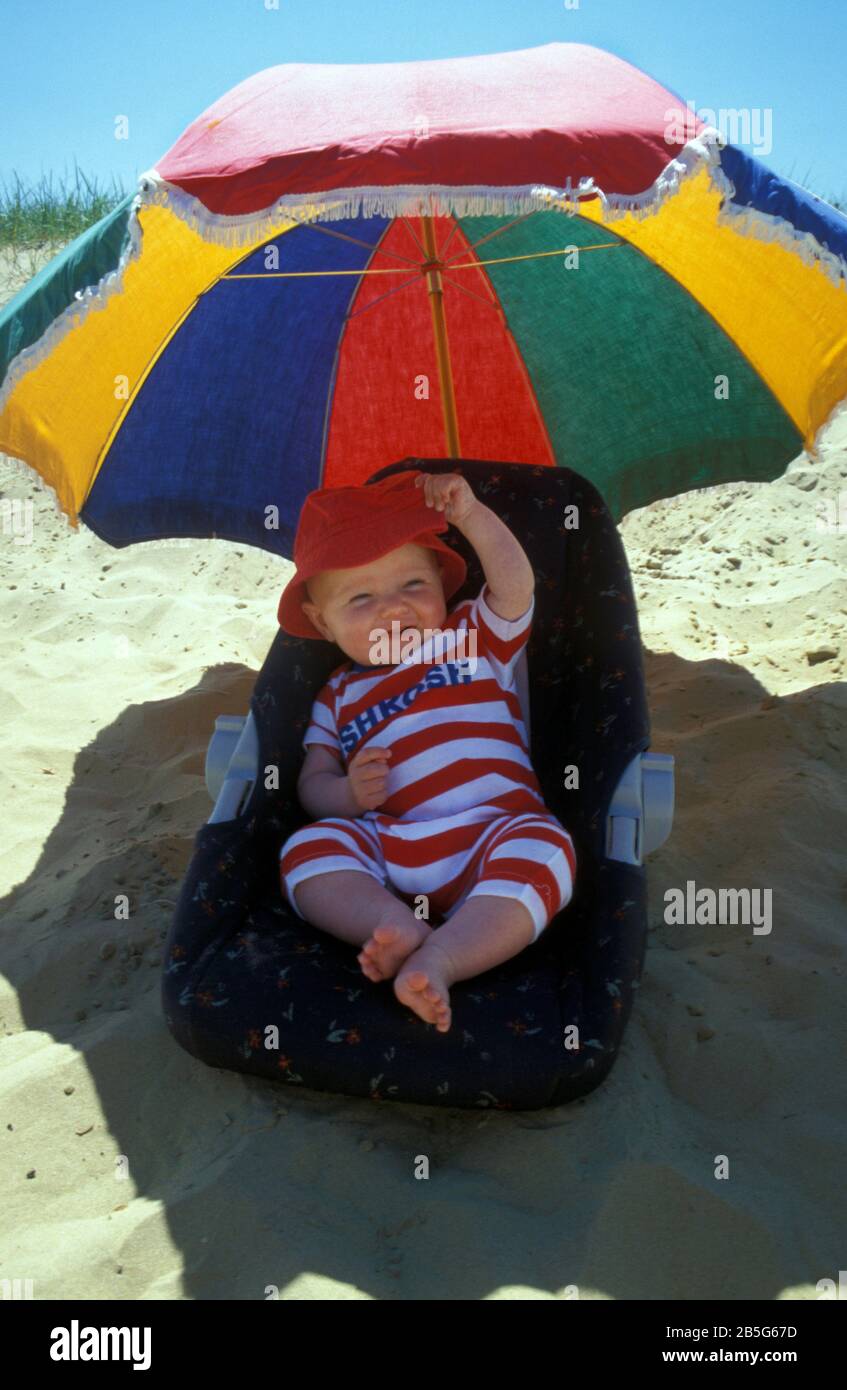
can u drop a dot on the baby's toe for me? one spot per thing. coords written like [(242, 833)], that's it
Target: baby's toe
[(369, 967)]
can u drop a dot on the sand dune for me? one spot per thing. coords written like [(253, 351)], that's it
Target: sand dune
[(114, 665)]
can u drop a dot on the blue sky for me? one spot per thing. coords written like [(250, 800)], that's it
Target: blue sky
[(72, 68)]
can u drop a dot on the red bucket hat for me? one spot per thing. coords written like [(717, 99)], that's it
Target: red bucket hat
[(344, 527)]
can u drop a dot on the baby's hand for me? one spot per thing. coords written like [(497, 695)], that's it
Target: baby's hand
[(368, 777), (448, 493)]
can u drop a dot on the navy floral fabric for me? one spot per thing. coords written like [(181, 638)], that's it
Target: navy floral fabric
[(239, 963)]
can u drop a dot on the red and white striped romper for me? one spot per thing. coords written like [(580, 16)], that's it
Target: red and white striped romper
[(463, 814)]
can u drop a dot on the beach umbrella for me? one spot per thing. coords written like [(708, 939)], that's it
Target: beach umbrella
[(540, 256)]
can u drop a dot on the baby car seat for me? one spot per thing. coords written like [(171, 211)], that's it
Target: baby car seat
[(249, 986)]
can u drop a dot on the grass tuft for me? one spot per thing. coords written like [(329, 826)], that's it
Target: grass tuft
[(37, 220), (33, 217)]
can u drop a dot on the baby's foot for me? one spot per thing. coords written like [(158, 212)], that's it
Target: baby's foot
[(384, 952), (423, 985)]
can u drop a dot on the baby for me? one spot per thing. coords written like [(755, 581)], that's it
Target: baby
[(417, 771)]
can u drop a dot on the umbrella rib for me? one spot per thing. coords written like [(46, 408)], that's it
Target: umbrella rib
[(410, 230), (473, 293), (304, 274), (357, 241), (414, 281), (537, 255), (398, 270), (440, 253), (450, 235), (453, 229), (499, 230)]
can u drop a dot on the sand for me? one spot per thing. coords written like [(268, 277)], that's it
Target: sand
[(132, 1171)]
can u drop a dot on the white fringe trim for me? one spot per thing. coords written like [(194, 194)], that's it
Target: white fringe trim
[(93, 297), (402, 200), (748, 221), (766, 226), (703, 149), (409, 200), (412, 200)]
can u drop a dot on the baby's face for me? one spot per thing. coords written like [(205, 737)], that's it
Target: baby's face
[(353, 606)]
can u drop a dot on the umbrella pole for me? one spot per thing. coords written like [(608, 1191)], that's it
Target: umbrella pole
[(432, 269)]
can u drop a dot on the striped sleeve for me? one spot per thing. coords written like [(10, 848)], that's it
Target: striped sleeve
[(323, 727), (499, 640)]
